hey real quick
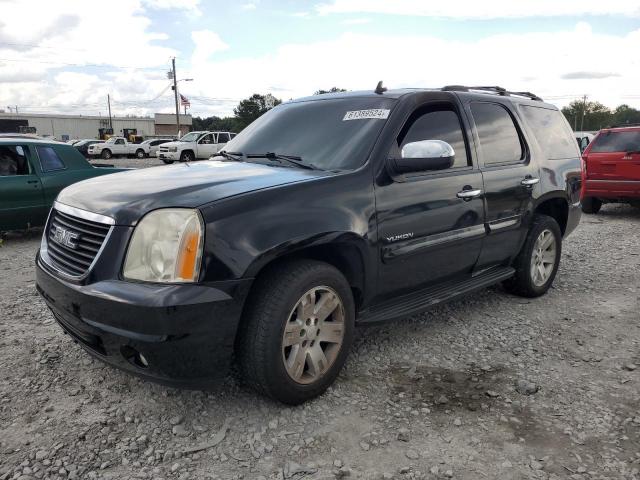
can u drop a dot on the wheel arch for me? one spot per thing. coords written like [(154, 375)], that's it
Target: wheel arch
[(556, 206), (346, 252)]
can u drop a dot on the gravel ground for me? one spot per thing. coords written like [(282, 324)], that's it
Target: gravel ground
[(491, 386)]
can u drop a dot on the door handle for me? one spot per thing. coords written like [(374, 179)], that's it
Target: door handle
[(468, 194), (32, 181), (530, 181)]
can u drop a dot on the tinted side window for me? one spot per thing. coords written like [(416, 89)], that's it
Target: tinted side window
[(207, 139), (223, 137), (440, 124), (49, 159), (120, 141), (616, 142), (551, 131), (13, 161), (499, 139)]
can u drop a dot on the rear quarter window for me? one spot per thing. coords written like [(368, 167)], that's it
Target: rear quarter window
[(551, 131), (612, 141)]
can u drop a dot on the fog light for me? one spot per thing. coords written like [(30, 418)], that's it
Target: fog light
[(134, 357)]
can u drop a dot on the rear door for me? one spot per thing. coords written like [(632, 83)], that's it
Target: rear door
[(510, 178), (614, 155), (21, 200), (223, 138)]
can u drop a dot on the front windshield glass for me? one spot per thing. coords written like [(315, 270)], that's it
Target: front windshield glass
[(332, 134), (190, 137)]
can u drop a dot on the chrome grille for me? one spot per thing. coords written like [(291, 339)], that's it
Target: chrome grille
[(73, 243)]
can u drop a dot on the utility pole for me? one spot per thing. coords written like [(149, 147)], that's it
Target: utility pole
[(109, 105), (175, 92), (584, 111), (16, 109)]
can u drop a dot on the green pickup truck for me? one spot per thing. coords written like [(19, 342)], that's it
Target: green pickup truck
[(32, 173)]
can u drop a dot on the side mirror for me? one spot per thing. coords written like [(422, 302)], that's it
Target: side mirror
[(424, 155)]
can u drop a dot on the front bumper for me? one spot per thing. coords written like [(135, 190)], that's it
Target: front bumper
[(179, 335), (169, 155), (612, 189)]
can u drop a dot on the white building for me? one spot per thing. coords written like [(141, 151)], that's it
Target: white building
[(66, 127)]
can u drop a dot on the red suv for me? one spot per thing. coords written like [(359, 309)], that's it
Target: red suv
[(612, 168)]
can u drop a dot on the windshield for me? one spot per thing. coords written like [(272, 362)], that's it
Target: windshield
[(191, 137), (335, 134), (609, 141)]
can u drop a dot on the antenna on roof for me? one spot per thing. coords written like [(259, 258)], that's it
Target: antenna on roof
[(380, 89)]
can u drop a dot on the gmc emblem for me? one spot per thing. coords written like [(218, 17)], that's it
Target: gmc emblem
[(65, 237)]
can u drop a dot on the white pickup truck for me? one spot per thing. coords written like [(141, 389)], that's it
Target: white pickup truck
[(117, 146), (194, 145)]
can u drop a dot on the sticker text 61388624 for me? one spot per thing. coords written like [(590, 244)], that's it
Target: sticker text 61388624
[(374, 113)]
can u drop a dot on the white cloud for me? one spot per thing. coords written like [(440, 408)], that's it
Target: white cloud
[(206, 44), (187, 5), (519, 61), (484, 9), (249, 6)]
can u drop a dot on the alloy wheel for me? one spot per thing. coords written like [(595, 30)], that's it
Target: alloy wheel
[(313, 335), (543, 259)]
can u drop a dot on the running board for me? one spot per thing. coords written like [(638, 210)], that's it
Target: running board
[(422, 300)]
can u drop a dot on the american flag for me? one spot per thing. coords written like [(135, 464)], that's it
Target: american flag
[(184, 101)]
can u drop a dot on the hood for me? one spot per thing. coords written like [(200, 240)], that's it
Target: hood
[(127, 196), (175, 143)]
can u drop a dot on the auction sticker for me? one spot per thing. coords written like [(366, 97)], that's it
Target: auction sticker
[(374, 113)]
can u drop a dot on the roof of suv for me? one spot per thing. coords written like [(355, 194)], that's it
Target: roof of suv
[(492, 91)]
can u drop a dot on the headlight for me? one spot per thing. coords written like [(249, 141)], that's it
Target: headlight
[(173, 149), (166, 247)]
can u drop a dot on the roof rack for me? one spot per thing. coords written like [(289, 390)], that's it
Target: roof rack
[(491, 89)]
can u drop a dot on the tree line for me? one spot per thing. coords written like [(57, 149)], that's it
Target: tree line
[(246, 112), (582, 115)]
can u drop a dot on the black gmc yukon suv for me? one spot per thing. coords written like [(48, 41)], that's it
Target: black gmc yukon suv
[(325, 213)]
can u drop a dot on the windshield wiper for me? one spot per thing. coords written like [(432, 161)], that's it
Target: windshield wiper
[(237, 156), (291, 159)]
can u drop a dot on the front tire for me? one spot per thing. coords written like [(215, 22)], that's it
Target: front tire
[(106, 154), (537, 263), (591, 205), (297, 330), (168, 162), (186, 157)]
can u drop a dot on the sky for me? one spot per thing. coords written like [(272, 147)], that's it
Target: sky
[(66, 56)]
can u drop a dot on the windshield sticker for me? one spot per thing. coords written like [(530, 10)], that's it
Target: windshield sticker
[(374, 113)]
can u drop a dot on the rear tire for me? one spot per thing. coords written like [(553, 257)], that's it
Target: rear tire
[(591, 205), (106, 154), (168, 162), (140, 153), (286, 349), (537, 263)]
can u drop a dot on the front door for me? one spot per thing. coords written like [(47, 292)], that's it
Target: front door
[(21, 200), (430, 224), (510, 179), (206, 145)]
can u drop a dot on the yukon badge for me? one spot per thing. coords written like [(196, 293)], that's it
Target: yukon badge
[(400, 236)]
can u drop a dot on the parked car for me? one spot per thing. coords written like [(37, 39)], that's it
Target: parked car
[(154, 145), (118, 146), (83, 145), (584, 139), (32, 173), (323, 214), (194, 145), (612, 168)]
